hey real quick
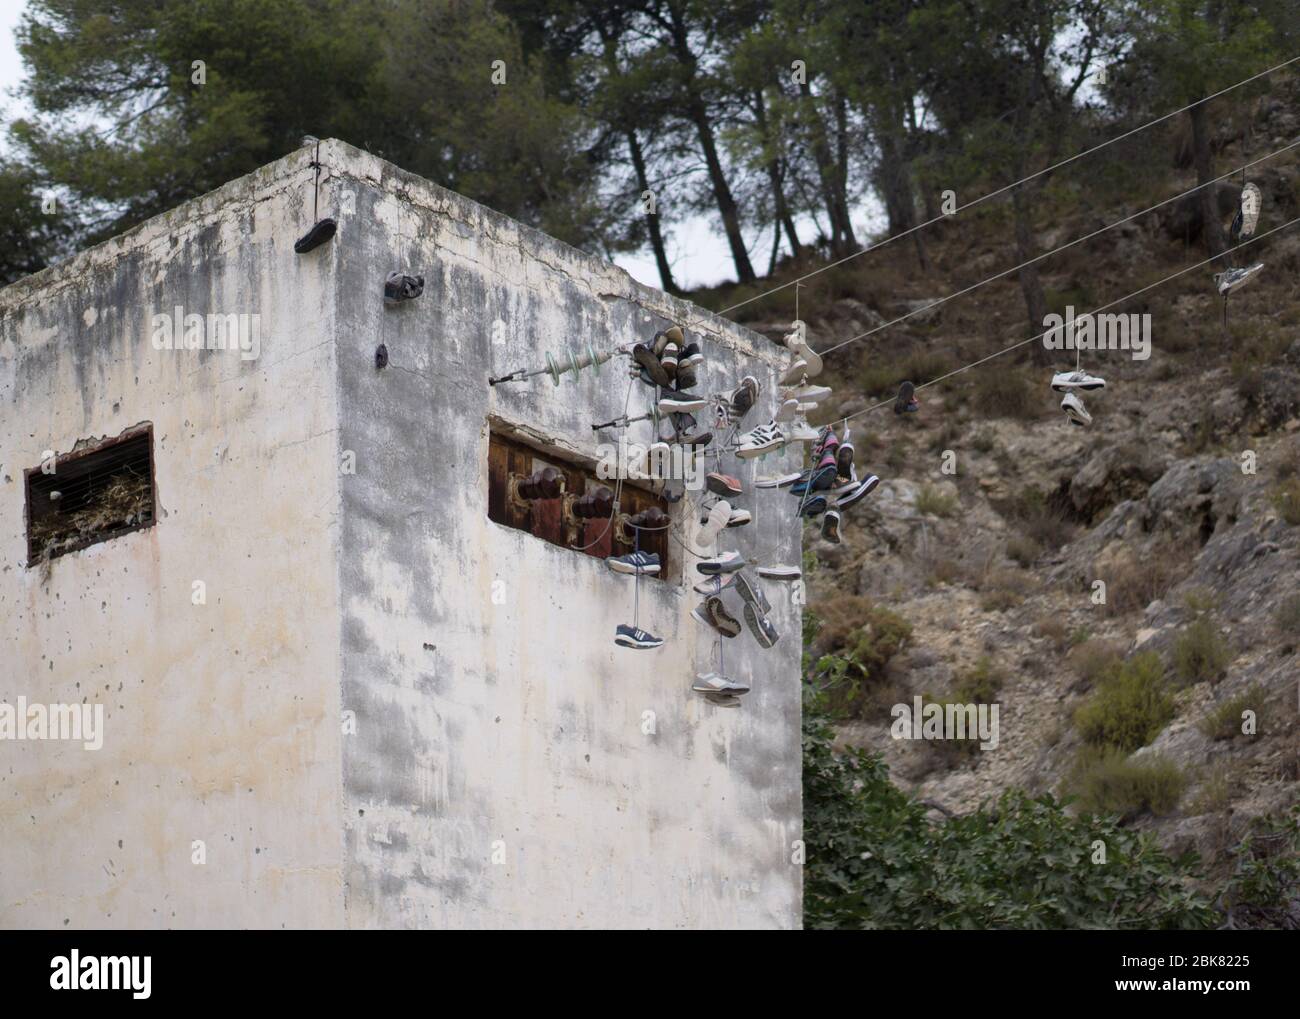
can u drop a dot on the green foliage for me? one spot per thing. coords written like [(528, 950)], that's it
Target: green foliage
[(1200, 653), (1286, 497), (1107, 781), (876, 861), (1129, 707), (1225, 721), (931, 502), (1266, 879), (856, 650)]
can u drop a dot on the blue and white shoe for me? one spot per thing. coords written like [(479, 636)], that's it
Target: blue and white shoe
[(630, 636), (634, 562)]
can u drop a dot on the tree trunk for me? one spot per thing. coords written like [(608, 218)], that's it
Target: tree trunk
[(776, 179), (1215, 242), (842, 173), (1030, 283), (699, 116), (652, 220)]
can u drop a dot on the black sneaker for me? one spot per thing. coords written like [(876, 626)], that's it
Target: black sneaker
[(686, 376), (751, 593), (906, 402), (690, 355), (630, 636), (316, 236), (634, 562), (761, 627), (831, 527), (719, 618), (645, 357), (401, 287)]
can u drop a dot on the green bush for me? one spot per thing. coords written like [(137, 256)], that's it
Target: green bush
[(1007, 394), (1266, 878), (1094, 659), (932, 502), (874, 859), (1106, 781), (1224, 721), (859, 639), (1130, 706), (1200, 653), (1287, 500)]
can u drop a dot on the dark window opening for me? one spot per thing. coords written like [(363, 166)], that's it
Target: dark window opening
[(567, 505), (92, 495)]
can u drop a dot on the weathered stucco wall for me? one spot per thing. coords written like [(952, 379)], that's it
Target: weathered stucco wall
[(519, 728), (222, 719)]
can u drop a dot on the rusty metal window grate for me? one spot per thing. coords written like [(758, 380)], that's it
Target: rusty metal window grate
[(555, 500), (92, 495)]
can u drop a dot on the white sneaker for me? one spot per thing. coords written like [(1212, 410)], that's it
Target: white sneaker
[(807, 394), (719, 515), (787, 410), (797, 372), (781, 481), (1248, 215), (681, 404), (762, 439), (811, 359), (1063, 382), (778, 572), (1075, 411), (801, 431), (715, 585), (711, 682), (735, 517), (1233, 278)]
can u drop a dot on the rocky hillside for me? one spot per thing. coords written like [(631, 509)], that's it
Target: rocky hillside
[(1183, 498)]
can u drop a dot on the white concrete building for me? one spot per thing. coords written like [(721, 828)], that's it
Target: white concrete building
[(335, 690)]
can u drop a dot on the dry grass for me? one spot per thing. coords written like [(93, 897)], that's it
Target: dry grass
[(123, 502)]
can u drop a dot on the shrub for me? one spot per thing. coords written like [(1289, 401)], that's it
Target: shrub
[(1108, 782), (979, 684), (932, 502), (1024, 550), (1007, 394), (1135, 582), (1129, 707), (1002, 589), (1093, 660), (1054, 630), (1287, 617), (1200, 653), (1287, 500), (1266, 880), (851, 645), (1225, 721), (874, 860)]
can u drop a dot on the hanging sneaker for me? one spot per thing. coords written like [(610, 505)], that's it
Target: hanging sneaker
[(1075, 412), (800, 431), (723, 700), (718, 518), (778, 481), (742, 400), (785, 574), (650, 366), (787, 410), (1233, 278), (762, 439), (735, 518), (819, 479), (814, 507), (811, 359), (760, 626), (854, 492), (669, 360), (691, 356), (831, 526), (796, 373), (401, 287), (827, 442), (1243, 224), (716, 584), (711, 682), (906, 402), (723, 484), (844, 456), (657, 454), (630, 636), (634, 562), (807, 394), (727, 562), (671, 403), (687, 376), (713, 614), (750, 593), (1063, 382)]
